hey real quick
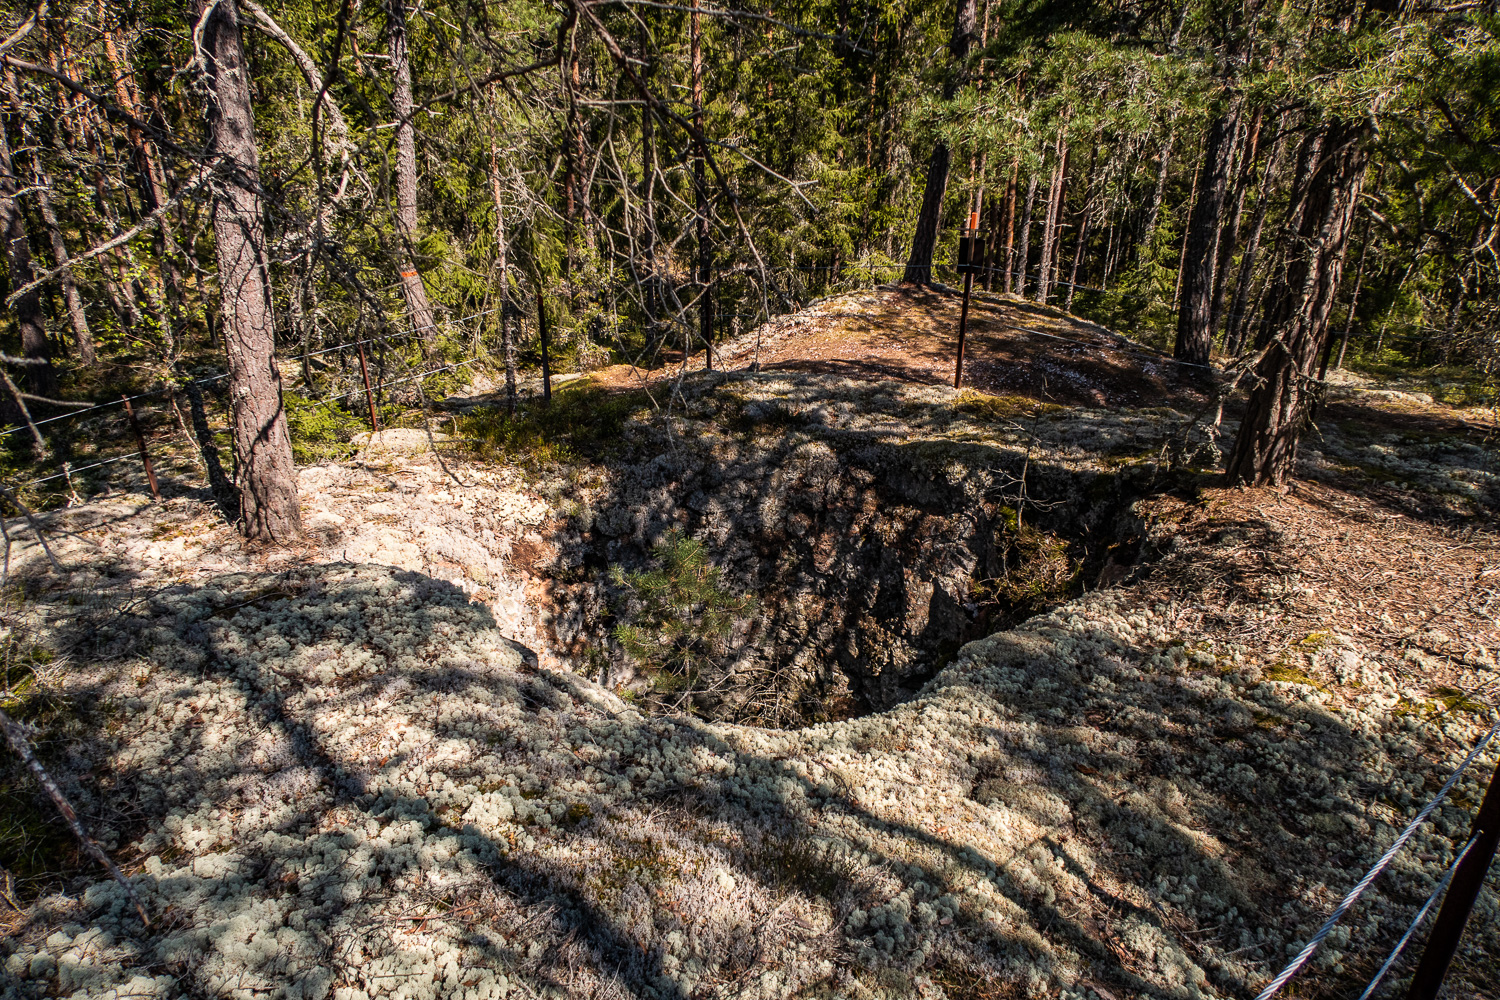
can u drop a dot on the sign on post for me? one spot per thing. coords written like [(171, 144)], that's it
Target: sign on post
[(970, 263)]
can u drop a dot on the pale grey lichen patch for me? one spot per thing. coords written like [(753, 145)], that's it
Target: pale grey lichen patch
[(349, 780), (362, 789)]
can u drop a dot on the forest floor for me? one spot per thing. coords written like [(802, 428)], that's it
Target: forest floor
[(370, 766)]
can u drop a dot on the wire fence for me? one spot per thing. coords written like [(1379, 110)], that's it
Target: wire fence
[(1354, 894), (69, 471), (855, 270), (1292, 968)]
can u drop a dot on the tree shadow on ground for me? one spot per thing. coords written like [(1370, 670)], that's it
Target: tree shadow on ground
[(350, 780)]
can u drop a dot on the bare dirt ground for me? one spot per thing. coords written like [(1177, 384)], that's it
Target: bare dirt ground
[(1013, 348)]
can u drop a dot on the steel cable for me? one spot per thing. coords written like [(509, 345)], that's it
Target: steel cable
[(1385, 859), (1417, 920)]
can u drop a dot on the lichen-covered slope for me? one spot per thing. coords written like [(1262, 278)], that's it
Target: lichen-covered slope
[(360, 787), (340, 779)]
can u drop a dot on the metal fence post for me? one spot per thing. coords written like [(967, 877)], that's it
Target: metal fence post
[(1467, 881), (364, 371), (140, 442)]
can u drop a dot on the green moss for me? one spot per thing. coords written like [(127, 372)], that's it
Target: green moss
[(1287, 673), (1315, 640), (22, 695), (320, 431), (639, 862), (1454, 700), (987, 407), (583, 421)]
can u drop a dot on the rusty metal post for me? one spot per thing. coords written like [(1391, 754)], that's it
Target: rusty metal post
[(970, 260), (140, 442), (364, 371), (963, 330), (1464, 889)]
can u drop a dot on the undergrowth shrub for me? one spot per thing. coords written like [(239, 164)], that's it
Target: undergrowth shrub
[(35, 847), (320, 431), (1039, 571), (583, 420), (678, 616)]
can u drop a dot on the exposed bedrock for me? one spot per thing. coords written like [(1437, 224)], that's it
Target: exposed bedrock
[(872, 551)]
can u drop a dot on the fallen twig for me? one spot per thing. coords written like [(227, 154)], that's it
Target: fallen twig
[(16, 737)]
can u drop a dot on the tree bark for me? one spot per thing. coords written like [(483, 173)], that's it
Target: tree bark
[(1240, 305), (924, 240), (1164, 159), (1300, 304), (1009, 225), (83, 337), (151, 180), (269, 509), (502, 268), (542, 333), (1244, 171), (1195, 328), (1054, 219), (38, 378), (225, 494), (1023, 256), (148, 171), (412, 288), (1083, 239), (1359, 281), (700, 187)]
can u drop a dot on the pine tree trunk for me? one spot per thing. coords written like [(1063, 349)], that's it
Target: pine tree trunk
[(1195, 329), (1083, 239), (412, 288), (1200, 257), (502, 274), (571, 162), (1010, 224), (1023, 256), (225, 494), (1300, 304), (269, 509), (150, 179), (700, 185), (1359, 281), (993, 221), (1182, 256), (1240, 305), (924, 240), (1054, 220), (1153, 213), (1229, 240), (37, 378)]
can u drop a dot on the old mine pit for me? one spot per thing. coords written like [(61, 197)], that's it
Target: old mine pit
[(854, 551)]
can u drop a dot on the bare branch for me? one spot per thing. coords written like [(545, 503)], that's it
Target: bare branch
[(16, 737), (25, 28)]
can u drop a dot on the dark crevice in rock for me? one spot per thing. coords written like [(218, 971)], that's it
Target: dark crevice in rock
[(872, 556)]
